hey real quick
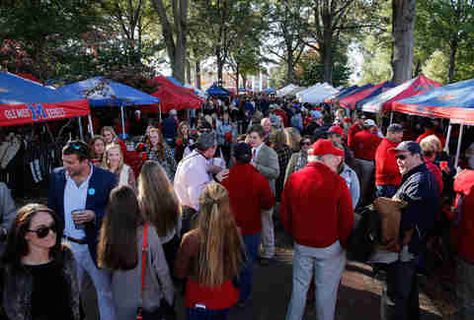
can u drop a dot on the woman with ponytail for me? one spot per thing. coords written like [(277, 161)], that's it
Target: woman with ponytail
[(210, 258)]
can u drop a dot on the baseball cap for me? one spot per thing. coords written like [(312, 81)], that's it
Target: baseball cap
[(206, 140), (242, 152), (395, 127), (325, 146), (369, 123), (337, 130), (410, 146)]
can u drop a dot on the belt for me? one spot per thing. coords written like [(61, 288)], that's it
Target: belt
[(78, 241)]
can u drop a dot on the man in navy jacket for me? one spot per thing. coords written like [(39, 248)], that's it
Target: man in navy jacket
[(78, 193)]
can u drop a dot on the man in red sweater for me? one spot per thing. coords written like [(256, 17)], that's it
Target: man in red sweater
[(316, 210), (354, 128), (249, 193), (364, 145), (387, 175), (464, 235)]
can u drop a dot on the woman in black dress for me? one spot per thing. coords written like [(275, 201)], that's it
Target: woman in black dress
[(38, 279)]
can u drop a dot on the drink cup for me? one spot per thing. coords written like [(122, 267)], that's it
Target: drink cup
[(78, 212)]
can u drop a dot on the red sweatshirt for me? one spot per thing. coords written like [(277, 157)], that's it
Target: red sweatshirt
[(351, 132), (464, 185), (364, 145), (316, 207), (386, 168), (249, 193), (436, 172)]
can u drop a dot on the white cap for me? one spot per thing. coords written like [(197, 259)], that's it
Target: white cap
[(369, 123)]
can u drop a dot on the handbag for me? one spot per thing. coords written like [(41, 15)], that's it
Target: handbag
[(143, 314)]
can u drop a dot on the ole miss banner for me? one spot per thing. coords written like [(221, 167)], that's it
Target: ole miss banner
[(18, 114)]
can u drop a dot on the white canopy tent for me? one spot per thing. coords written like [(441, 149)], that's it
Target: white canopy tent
[(283, 91), (317, 93)]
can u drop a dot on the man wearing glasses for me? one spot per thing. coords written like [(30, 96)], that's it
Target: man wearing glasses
[(78, 193), (419, 195)]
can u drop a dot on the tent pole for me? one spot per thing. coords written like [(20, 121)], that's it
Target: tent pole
[(448, 137), (122, 116), (458, 149), (91, 125), (159, 109), (81, 134), (391, 117)]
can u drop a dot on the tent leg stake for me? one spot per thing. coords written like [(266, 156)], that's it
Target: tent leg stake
[(81, 133), (122, 116), (448, 137)]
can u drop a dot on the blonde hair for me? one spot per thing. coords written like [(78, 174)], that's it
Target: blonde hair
[(430, 145), (220, 251), (293, 138), (108, 128), (157, 199), (105, 158)]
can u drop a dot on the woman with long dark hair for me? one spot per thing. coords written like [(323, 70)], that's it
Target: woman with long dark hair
[(38, 276), (210, 257), (97, 145), (122, 236), (160, 206)]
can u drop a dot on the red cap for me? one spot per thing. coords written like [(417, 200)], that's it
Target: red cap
[(336, 129), (347, 120), (325, 146)]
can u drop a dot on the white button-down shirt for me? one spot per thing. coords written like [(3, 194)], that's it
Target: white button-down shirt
[(75, 198), (191, 178)]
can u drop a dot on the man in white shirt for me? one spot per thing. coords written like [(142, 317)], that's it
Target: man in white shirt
[(194, 172)]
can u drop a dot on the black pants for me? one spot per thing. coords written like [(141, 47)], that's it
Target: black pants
[(400, 298), (189, 219)]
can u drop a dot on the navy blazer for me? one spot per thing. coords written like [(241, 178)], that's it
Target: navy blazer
[(100, 185)]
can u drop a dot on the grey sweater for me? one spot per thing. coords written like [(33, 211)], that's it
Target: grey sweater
[(126, 285)]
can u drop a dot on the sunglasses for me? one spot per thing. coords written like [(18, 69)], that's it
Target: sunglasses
[(401, 156), (307, 143), (42, 232)]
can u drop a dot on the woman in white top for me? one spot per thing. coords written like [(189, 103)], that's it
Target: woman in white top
[(159, 204), (113, 161)]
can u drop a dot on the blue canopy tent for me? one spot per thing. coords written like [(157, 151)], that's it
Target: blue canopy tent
[(454, 101), (269, 91), (348, 92), (23, 101), (102, 92), (217, 91)]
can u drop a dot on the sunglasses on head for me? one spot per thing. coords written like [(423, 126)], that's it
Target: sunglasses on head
[(42, 232)]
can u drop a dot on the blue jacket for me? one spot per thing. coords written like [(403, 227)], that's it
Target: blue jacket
[(418, 189), (100, 185)]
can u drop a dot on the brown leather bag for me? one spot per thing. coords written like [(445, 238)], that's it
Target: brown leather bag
[(390, 215)]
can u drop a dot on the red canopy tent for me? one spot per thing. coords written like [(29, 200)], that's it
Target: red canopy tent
[(350, 101), (421, 84), (173, 97)]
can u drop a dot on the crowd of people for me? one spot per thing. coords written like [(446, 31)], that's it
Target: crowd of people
[(201, 208)]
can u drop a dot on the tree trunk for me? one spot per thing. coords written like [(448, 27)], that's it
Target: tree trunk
[(453, 47), (188, 72), (237, 74), (220, 66), (290, 69), (327, 56), (197, 75), (403, 23)]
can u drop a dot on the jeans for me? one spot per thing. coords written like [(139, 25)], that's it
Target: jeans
[(328, 265), (465, 289), (188, 220), (366, 172), (400, 295), (251, 242), (206, 314), (268, 234), (385, 191), (100, 278)]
